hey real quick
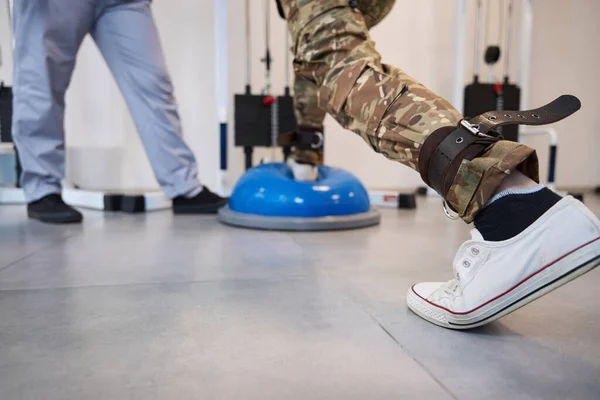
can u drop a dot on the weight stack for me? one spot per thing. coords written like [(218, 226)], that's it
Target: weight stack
[(252, 117)]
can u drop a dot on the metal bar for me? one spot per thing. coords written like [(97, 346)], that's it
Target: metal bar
[(508, 44), (221, 87), (248, 49), (526, 31), (267, 59), (477, 43), (460, 32), (287, 61)]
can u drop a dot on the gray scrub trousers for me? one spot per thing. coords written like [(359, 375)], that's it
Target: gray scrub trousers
[(48, 34)]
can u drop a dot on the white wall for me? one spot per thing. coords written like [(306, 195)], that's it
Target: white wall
[(416, 36), (566, 59)]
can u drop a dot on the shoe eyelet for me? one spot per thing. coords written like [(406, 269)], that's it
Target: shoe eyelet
[(475, 251), (466, 264)]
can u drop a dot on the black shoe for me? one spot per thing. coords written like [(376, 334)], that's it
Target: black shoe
[(53, 209), (205, 202)]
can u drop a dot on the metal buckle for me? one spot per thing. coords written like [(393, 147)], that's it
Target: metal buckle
[(451, 215), (474, 129), (319, 143)]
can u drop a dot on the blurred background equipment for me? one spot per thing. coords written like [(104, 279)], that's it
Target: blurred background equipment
[(268, 196)]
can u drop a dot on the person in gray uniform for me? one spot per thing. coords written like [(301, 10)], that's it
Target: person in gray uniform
[(48, 35)]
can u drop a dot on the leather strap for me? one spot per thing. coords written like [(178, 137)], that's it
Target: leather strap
[(552, 112), (451, 148), (473, 137), (302, 139)]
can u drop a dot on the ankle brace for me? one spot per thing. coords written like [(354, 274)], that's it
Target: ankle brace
[(302, 139), (445, 149)]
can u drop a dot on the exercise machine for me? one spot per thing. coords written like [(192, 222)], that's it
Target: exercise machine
[(479, 97)]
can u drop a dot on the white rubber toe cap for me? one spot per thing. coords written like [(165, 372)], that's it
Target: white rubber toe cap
[(425, 289)]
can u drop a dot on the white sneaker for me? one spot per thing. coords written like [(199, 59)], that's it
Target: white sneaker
[(492, 279), (303, 172)]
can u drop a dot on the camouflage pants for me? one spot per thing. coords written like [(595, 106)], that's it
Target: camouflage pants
[(338, 70), (307, 111)]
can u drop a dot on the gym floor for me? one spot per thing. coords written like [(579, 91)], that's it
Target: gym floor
[(162, 307)]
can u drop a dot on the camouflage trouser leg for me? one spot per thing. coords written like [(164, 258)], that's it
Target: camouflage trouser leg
[(390, 110), (309, 116), (374, 10), (307, 111)]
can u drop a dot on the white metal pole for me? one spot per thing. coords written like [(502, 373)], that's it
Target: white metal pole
[(526, 29), (8, 52), (526, 33), (287, 58), (460, 32), (222, 89), (508, 44)]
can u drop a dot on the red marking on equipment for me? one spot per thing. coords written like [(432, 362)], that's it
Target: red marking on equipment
[(268, 100), (389, 198), (498, 88)]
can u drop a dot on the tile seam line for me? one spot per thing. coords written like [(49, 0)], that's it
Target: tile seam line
[(139, 284), (405, 350), (397, 342), (52, 242)]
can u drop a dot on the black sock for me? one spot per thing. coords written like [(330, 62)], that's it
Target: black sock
[(512, 214)]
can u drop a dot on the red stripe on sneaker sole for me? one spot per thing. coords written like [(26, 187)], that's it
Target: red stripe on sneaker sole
[(509, 290)]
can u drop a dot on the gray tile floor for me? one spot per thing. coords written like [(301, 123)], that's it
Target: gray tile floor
[(162, 307)]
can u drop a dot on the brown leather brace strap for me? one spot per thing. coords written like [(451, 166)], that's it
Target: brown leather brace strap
[(471, 138), (452, 149), (302, 139), (552, 112)]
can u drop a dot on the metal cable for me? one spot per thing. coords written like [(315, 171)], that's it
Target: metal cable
[(287, 58), (477, 44), (248, 49), (508, 38)]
